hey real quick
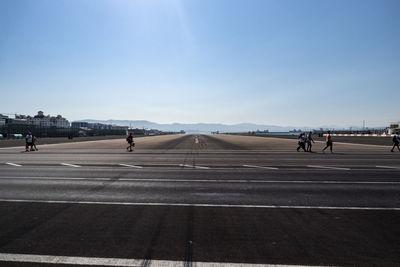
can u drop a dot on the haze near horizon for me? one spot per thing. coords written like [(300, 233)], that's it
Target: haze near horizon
[(288, 62)]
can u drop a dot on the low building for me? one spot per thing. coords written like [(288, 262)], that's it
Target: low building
[(393, 128), (3, 120), (79, 124)]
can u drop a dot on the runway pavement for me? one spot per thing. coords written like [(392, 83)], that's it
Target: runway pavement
[(199, 200)]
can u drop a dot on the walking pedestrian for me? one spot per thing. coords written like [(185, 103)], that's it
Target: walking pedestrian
[(28, 142), (396, 142), (310, 140), (129, 139), (329, 142), (302, 142), (34, 140)]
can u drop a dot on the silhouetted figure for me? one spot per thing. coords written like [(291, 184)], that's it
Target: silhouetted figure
[(396, 142), (310, 140), (329, 142), (302, 142), (34, 140), (129, 139)]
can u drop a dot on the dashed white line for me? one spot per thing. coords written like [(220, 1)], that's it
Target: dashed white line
[(193, 166), (131, 166), (213, 205), (388, 167), (13, 164), (95, 261), (328, 167), (70, 165), (260, 167)]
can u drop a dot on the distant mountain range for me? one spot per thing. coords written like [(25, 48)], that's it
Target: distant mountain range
[(204, 127)]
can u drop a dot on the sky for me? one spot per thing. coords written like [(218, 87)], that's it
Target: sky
[(272, 62)]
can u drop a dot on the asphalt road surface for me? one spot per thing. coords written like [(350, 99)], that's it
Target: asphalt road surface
[(206, 200)]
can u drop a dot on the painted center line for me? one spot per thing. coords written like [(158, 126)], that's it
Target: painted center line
[(388, 167), (193, 166), (260, 167), (13, 164), (131, 166), (327, 167), (70, 165), (94, 261)]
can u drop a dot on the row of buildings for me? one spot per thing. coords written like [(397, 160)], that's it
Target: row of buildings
[(39, 120), (47, 126), (47, 121)]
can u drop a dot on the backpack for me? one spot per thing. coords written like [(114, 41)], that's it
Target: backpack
[(394, 139)]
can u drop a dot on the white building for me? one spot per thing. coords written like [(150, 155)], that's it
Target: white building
[(40, 120)]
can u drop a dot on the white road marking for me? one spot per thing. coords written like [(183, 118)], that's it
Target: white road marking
[(70, 165), (193, 166), (388, 167), (327, 167), (356, 144), (204, 180), (260, 167), (131, 166), (334, 142), (194, 205), (13, 164), (95, 261)]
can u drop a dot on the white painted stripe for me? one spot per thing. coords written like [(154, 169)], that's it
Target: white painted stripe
[(327, 167), (355, 144), (71, 165), (131, 166), (201, 167), (95, 261), (193, 204), (260, 167), (13, 164), (204, 180), (388, 167), (193, 166)]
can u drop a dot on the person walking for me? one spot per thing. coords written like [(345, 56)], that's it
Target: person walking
[(34, 140), (129, 139), (302, 142), (396, 142), (329, 142), (310, 140), (28, 142)]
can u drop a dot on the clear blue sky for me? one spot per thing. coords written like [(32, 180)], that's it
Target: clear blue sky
[(305, 63)]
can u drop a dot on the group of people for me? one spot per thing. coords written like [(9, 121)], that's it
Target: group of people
[(303, 140), (30, 142), (307, 139)]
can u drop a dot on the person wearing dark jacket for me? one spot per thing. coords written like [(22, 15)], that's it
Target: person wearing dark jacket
[(129, 139), (329, 142), (396, 142)]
